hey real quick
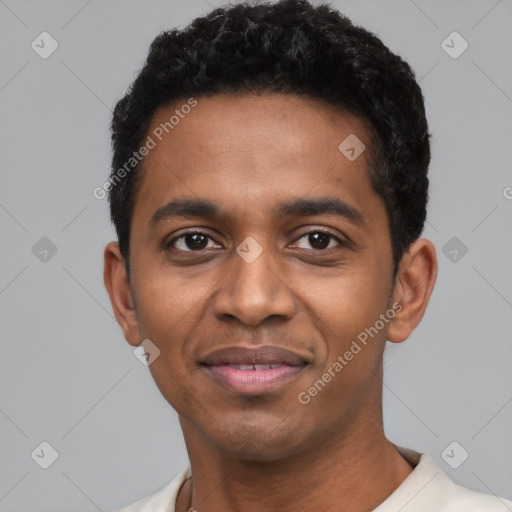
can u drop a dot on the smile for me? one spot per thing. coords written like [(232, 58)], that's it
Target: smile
[(253, 379)]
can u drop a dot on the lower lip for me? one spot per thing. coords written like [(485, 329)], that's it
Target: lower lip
[(253, 382)]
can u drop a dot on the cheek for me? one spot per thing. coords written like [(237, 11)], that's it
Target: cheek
[(169, 309), (163, 318), (351, 301), (166, 300), (349, 367), (348, 311), (168, 318)]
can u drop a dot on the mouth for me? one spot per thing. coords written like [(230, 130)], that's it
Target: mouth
[(253, 371)]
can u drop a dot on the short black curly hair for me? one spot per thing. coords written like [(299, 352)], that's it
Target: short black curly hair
[(289, 47)]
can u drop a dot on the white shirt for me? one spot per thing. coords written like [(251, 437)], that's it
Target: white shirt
[(427, 489)]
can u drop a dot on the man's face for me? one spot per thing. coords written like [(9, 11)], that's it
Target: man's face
[(305, 292)]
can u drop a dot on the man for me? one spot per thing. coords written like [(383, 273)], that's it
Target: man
[(268, 189)]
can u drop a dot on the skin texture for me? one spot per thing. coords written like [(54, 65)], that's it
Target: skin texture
[(258, 453)]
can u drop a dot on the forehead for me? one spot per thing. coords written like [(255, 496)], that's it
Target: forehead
[(250, 151)]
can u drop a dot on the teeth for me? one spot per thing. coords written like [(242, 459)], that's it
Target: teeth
[(255, 366), (262, 366), (245, 367)]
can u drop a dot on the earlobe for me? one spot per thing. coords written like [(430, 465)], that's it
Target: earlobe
[(413, 287), (118, 288)]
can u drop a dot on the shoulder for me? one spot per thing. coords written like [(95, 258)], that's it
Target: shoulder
[(428, 488), (461, 499), (161, 501)]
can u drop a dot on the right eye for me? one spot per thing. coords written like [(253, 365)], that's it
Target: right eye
[(191, 241)]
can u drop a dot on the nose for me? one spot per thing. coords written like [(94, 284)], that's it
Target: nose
[(253, 291)]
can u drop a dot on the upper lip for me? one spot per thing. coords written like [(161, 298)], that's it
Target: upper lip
[(266, 354)]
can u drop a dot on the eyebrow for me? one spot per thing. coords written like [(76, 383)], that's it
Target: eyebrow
[(190, 208), (301, 207), (320, 206)]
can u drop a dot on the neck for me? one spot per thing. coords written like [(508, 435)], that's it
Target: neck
[(353, 472)]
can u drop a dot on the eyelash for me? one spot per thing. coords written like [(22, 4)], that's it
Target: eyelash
[(183, 235)]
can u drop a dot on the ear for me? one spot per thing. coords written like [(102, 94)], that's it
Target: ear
[(413, 286), (118, 288)]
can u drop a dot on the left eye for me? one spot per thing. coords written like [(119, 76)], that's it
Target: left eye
[(320, 240)]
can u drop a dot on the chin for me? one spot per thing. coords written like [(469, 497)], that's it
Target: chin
[(258, 444), (253, 451)]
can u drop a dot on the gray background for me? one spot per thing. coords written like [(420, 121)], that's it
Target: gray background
[(68, 377)]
